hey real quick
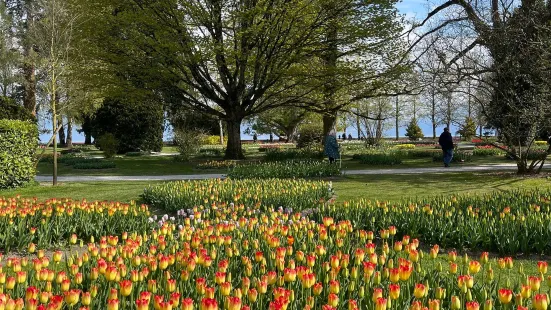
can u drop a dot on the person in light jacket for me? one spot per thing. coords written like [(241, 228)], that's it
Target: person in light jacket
[(446, 142), (331, 148)]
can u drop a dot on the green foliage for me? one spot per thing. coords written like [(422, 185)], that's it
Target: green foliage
[(503, 222), (135, 154), (217, 164), (422, 153), (487, 151), (413, 131), (254, 194), (9, 109), (468, 129), (188, 143), (286, 169), (458, 157), (293, 154), (109, 144), (309, 135), (18, 145), (374, 159), (136, 124), (408, 146), (213, 140), (102, 164)]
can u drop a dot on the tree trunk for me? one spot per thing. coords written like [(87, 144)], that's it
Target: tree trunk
[(234, 149), (329, 121), (397, 120), (29, 100), (433, 115), (62, 141), (54, 127), (69, 140), (359, 127)]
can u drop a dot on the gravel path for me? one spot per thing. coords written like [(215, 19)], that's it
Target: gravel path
[(397, 171)]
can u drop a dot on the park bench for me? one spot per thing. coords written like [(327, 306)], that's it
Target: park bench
[(467, 147)]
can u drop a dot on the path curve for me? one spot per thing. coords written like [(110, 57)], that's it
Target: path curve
[(397, 171)]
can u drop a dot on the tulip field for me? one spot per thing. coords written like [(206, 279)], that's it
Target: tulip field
[(507, 222), (298, 194), (285, 244)]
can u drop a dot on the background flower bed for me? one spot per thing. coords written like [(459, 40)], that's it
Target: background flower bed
[(285, 170), (251, 193), (507, 223), (54, 220)]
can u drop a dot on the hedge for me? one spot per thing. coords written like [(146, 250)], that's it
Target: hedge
[(18, 145)]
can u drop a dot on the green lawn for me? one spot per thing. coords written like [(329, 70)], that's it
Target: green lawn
[(380, 187), (397, 187)]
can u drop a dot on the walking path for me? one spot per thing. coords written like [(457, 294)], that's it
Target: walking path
[(398, 171)]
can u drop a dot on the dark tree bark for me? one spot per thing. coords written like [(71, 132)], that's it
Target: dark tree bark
[(234, 149), (61, 133), (329, 122), (69, 140)]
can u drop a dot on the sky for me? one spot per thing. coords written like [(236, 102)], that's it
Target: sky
[(410, 9)]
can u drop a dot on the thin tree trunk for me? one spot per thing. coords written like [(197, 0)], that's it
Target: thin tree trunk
[(234, 149), (55, 127), (69, 140), (397, 120), (221, 132), (433, 115), (358, 125), (62, 141)]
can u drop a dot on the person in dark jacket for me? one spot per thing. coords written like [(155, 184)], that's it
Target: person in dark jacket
[(331, 147), (446, 142)]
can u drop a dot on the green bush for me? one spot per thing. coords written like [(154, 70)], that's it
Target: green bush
[(458, 157), (18, 145), (287, 169), (308, 135), (102, 164), (135, 154), (9, 109), (293, 154), (108, 144), (375, 159), (212, 195), (213, 140), (136, 123), (429, 153), (188, 143), (413, 131)]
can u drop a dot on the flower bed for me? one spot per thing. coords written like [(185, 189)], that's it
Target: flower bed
[(25, 221), (217, 164), (285, 170), (376, 159), (293, 154), (268, 261), (252, 194), (508, 223)]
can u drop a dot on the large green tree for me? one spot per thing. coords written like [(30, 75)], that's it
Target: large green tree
[(361, 56), (516, 36)]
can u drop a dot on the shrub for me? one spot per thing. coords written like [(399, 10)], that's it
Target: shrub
[(137, 124), (468, 129), (287, 169), (413, 131), (213, 140), (9, 109), (427, 153), (540, 142), (55, 220), (251, 194), (408, 146), (293, 154), (108, 144), (308, 135), (458, 157), (188, 143), (103, 164), (18, 145), (376, 159), (135, 154)]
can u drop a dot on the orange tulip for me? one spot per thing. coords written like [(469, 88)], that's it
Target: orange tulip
[(209, 304), (472, 305), (540, 301), (505, 295), (113, 304)]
